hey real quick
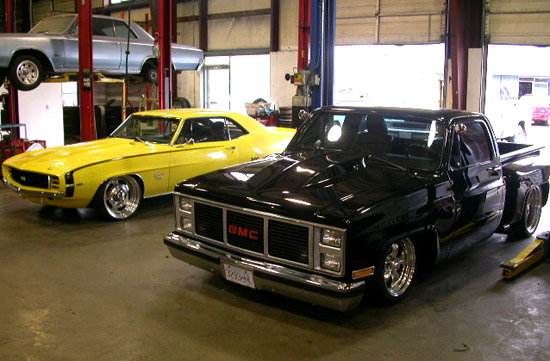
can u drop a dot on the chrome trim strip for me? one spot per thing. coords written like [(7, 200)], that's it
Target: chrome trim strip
[(303, 286), (49, 195)]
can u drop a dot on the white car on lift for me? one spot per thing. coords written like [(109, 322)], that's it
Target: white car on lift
[(51, 48)]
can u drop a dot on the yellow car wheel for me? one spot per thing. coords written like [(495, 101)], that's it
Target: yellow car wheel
[(119, 197)]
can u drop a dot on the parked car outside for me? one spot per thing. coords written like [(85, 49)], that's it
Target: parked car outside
[(51, 48), (535, 107), (145, 156)]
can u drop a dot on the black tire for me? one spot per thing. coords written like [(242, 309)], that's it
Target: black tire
[(26, 72), (152, 74), (394, 272), (180, 102), (530, 217), (118, 198)]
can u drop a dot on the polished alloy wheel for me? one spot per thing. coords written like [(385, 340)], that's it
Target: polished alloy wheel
[(399, 267), (533, 209), (28, 72), (121, 196)]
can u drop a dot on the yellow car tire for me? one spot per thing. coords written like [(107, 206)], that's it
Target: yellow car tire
[(118, 198)]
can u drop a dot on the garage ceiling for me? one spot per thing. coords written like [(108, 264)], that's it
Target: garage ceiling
[(525, 22), (360, 22)]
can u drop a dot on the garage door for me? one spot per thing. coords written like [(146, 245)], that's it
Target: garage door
[(364, 22), (525, 22)]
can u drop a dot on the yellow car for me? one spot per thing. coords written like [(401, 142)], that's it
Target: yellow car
[(146, 156)]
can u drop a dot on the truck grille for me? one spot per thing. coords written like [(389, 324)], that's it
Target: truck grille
[(209, 221), (278, 245), (30, 179), (284, 240)]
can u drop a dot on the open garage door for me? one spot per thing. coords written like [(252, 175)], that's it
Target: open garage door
[(525, 22), (360, 22), (390, 52), (517, 93)]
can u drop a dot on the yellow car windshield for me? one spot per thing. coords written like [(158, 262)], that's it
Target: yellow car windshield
[(148, 129)]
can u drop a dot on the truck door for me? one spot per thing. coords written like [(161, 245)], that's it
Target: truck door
[(477, 183)]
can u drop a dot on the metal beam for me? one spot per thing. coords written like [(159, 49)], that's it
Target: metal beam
[(275, 10), (203, 25), (164, 17), (85, 73), (13, 105), (304, 33), (323, 35)]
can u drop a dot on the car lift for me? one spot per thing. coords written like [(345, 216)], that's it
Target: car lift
[(538, 250)]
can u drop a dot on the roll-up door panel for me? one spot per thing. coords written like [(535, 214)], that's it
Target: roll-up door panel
[(518, 22), (390, 22)]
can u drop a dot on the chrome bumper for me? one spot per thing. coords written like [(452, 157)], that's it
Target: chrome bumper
[(38, 194), (270, 277)]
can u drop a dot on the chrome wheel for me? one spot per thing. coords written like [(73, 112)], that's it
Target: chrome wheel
[(399, 266), (28, 72), (120, 197), (25, 72), (533, 210)]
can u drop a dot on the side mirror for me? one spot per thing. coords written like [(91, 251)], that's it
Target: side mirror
[(302, 114)]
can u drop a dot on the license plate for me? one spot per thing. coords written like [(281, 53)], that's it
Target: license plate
[(238, 275)]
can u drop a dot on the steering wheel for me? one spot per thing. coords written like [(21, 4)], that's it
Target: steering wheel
[(419, 150)]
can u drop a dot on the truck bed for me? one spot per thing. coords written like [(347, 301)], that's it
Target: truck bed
[(511, 152)]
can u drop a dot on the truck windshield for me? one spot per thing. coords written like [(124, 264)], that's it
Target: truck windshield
[(408, 142), (148, 129), (53, 25)]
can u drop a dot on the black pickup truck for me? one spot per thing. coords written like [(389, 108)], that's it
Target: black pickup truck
[(361, 200)]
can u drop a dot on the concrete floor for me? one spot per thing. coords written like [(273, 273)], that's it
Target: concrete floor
[(73, 287)]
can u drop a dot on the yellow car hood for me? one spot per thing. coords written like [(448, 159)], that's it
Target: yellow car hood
[(59, 160)]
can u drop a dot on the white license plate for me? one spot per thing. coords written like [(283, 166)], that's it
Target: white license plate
[(238, 275)]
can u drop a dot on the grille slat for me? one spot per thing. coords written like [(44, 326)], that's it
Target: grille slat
[(209, 221), (288, 241)]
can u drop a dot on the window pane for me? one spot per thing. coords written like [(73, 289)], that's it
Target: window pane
[(121, 30), (474, 145), (103, 27)]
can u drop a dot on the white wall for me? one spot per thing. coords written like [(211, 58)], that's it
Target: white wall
[(41, 110)]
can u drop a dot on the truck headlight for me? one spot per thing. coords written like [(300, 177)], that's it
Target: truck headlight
[(185, 223), (185, 204), (331, 262), (331, 238)]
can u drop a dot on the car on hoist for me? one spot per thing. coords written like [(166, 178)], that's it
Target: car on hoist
[(146, 156), (51, 48)]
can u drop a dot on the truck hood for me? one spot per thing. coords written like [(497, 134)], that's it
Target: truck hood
[(313, 185), (59, 160)]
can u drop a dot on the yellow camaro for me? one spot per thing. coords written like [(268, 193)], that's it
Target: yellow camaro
[(146, 156)]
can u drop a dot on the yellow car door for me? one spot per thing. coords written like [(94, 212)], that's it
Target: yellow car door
[(202, 146)]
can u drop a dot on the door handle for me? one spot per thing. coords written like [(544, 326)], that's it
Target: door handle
[(233, 147), (494, 170)]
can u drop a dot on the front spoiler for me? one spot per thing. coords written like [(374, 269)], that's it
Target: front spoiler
[(270, 277), (37, 194)]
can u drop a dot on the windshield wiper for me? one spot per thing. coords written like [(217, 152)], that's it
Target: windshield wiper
[(386, 161)]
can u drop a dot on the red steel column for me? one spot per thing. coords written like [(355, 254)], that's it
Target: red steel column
[(12, 92), (304, 33), (165, 47), (85, 73)]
